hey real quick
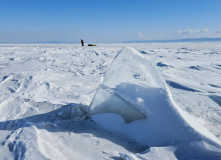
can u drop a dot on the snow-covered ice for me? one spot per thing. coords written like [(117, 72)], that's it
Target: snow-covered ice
[(46, 92)]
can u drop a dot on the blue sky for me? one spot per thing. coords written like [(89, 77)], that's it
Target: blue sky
[(107, 21)]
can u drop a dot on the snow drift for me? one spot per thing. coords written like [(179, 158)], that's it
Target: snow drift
[(133, 89)]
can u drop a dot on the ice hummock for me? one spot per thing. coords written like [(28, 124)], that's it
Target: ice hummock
[(130, 76), (133, 89)]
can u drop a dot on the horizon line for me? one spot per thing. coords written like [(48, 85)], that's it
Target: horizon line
[(205, 39)]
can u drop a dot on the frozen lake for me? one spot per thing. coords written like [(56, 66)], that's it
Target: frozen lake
[(39, 83)]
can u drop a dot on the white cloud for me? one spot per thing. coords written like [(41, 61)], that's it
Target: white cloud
[(140, 35), (190, 31), (185, 32), (202, 30), (219, 31), (161, 34)]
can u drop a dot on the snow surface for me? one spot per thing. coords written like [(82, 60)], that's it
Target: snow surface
[(45, 92)]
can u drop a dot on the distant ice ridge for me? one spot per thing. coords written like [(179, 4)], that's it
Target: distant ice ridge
[(133, 89)]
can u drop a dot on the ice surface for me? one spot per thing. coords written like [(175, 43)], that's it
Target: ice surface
[(130, 66), (109, 101)]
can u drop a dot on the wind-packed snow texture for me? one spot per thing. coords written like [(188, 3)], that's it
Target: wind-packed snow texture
[(45, 92)]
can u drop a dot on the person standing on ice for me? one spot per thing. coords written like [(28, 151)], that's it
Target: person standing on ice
[(82, 42)]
